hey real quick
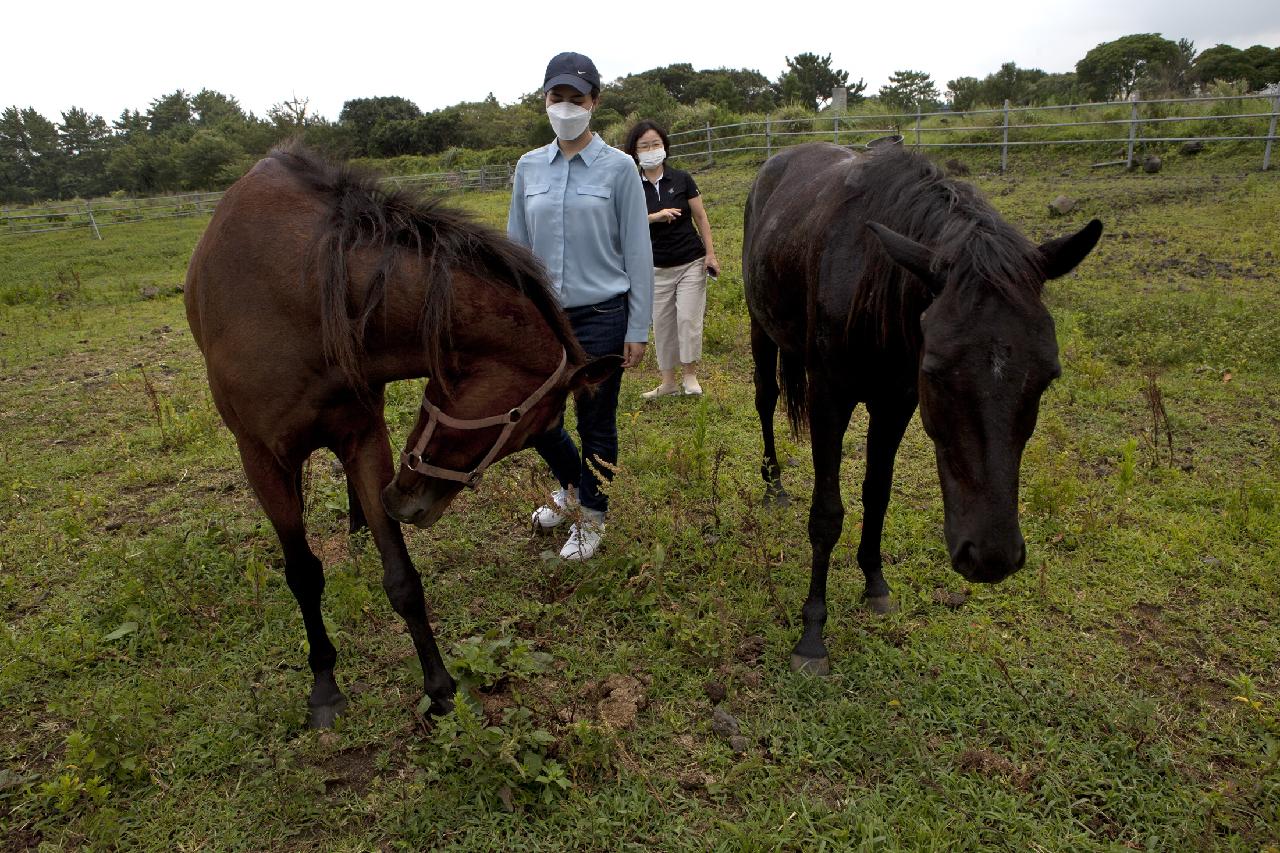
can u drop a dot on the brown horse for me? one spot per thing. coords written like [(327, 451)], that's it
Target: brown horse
[(312, 289), (872, 278)]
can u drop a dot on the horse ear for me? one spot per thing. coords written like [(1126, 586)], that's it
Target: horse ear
[(595, 371), (910, 255), (1062, 255)]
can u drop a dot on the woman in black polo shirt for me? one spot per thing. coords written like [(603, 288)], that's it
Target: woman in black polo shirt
[(682, 259)]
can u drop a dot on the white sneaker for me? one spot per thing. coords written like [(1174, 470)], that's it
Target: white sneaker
[(549, 517), (661, 391), (584, 539), (691, 386)]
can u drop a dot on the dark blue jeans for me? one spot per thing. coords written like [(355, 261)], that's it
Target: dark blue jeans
[(602, 330)]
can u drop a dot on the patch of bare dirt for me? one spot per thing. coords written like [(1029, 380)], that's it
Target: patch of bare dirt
[(984, 762), (349, 769), (620, 698), (1172, 656)]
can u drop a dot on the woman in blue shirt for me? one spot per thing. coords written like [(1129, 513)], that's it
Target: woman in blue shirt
[(577, 204)]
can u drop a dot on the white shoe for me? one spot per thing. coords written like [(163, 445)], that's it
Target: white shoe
[(550, 516), (661, 391), (584, 539), (691, 386)]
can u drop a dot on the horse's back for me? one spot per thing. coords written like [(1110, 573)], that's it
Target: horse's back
[(792, 201), (248, 304), (250, 258)]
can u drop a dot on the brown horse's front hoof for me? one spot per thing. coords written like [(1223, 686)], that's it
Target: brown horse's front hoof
[(811, 666), (880, 604), (324, 716)]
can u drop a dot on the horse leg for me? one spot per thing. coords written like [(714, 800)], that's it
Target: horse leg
[(765, 354), (828, 421), (355, 510), (279, 490), (886, 425), (367, 460)]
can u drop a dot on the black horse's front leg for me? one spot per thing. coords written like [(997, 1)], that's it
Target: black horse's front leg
[(888, 422), (827, 424)]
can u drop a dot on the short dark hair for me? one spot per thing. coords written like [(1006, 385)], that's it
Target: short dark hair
[(639, 130)]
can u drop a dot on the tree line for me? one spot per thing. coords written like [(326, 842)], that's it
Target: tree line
[(206, 140)]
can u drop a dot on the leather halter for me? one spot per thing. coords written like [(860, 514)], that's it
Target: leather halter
[(415, 461)]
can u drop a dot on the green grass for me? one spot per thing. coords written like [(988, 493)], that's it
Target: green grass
[(1121, 692)]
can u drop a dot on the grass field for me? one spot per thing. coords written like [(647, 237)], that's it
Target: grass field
[(1120, 692)]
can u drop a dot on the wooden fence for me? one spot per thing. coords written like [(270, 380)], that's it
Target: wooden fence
[(1234, 119)]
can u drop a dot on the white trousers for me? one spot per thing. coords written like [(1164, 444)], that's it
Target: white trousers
[(679, 302)]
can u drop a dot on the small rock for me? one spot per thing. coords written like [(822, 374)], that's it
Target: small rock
[(1061, 206), (150, 292), (715, 691), (1151, 165), (947, 598), (1195, 146), (739, 744), (724, 724)]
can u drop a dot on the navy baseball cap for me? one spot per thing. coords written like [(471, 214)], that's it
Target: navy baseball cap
[(571, 69)]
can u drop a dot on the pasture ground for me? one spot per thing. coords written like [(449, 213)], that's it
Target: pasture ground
[(1120, 692)]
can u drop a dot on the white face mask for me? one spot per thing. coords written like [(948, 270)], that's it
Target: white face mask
[(568, 120), (651, 159)]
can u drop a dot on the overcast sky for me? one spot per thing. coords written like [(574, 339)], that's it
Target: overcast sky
[(106, 57)]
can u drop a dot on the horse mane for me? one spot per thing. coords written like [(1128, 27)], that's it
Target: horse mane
[(982, 253), (365, 215)]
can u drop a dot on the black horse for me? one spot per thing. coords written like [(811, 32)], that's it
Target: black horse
[(878, 280)]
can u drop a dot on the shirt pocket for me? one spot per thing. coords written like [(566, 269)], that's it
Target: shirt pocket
[(536, 189), (598, 192)]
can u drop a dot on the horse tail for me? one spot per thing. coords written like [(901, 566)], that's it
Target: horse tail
[(794, 384)]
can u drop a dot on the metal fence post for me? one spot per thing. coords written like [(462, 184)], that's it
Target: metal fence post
[(1004, 142), (768, 138), (918, 127), (1271, 133), (710, 159), (1133, 131), (88, 208)]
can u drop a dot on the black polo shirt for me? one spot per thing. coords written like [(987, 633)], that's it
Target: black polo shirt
[(674, 243)]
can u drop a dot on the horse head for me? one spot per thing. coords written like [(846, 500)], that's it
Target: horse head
[(458, 435), (986, 357)]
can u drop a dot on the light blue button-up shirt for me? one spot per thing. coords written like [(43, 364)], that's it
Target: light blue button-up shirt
[(586, 220)]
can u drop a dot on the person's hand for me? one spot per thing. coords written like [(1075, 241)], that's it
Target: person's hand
[(711, 265), (632, 354), (667, 214)]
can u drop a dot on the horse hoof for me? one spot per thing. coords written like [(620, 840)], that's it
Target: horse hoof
[(880, 604), (776, 499), (811, 666), (324, 716)]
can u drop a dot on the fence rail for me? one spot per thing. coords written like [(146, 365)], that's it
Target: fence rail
[(1253, 118)]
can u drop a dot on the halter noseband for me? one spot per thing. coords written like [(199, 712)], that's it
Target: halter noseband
[(415, 461)]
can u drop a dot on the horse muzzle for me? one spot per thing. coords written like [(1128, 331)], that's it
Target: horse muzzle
[(421, 507), (988, 563)]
